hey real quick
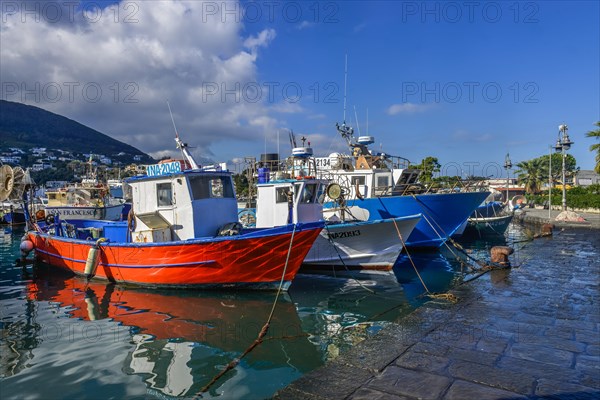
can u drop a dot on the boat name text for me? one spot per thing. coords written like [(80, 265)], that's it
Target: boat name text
[(347, 234), (163, 169)]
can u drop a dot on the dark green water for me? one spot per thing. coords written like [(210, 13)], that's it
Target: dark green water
[(61, 338)]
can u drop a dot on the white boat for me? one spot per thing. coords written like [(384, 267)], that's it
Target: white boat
[(346, 242)]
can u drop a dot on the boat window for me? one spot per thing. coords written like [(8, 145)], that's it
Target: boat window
[(321, 193), (383, 181), (360, 180), (164, 194), (281, 194), (308, 193), (204, 187)]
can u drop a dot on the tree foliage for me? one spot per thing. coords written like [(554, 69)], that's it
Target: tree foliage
[(596, 146), (428, 166), (534, 173)]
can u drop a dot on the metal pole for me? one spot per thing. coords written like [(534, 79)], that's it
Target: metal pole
[(507, 182), (564, 189), (550, 186)]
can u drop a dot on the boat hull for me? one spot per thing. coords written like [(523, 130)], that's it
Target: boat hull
[(367, 245), (443, 213), (490, 225), (254, 260), (12, 218)]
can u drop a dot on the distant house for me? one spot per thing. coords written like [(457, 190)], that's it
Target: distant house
[(105, 160), (10, 159), (38, 150), (40, 167), (587, 177), (137, 157)]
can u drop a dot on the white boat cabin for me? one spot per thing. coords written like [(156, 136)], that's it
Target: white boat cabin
[(172, 204), (285, 201), (366, 174)]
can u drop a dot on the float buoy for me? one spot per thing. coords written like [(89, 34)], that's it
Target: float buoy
[(26, 246), (93, 259)]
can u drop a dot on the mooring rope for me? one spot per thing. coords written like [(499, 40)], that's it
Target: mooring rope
[(262, 332), (344, 264), (447, 296)]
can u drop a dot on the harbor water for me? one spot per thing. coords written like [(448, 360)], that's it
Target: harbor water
[(63, 337)]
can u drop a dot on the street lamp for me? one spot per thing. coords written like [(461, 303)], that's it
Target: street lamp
[(507, 166), (562, 145)]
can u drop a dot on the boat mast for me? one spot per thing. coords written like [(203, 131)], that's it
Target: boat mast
[(181, 145)]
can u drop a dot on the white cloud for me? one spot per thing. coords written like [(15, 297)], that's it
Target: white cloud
[(360, 27), (261, 40), (305, 25), (115, 71), (287, 108), (407, 108)]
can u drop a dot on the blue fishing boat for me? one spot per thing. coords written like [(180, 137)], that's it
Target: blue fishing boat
[(380, 186)]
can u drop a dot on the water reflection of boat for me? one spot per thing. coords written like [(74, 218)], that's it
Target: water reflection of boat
[(340, 312), (436, 270), (183, 338)]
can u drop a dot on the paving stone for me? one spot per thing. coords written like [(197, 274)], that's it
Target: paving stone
[(290, 393), (475, 356), (405, 382), (586, 336), (498, 377), (578, 324), (492, 345), (541, 354), (528, 318), (562, 390), (335, 381), (423, 362), (436, 349), (536, 369), (592, 350), (553, 342), (563, 332), (461, 390), (372, 394), (375, 353)]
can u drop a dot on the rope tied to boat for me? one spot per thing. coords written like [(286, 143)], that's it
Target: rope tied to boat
[(343, 263), (261, 334), (443, 296)]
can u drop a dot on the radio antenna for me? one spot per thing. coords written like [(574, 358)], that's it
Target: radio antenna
[(345, 84), (181, 145), (172, 120)]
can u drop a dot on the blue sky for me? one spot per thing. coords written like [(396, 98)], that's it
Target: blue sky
[(466, 82)]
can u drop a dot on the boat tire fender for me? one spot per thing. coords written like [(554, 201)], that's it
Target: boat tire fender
[(49, 219), (131, 224)]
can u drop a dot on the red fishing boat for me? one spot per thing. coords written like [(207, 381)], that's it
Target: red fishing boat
[(182, 232)]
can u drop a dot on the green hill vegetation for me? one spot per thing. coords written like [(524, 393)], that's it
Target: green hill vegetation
[(27, 127)]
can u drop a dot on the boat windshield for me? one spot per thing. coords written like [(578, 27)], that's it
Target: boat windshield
[(205, 187)]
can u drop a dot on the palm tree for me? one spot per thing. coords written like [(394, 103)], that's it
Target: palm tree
[(532, 173), (596, 146)]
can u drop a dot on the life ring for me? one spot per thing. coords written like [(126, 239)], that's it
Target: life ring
[(40, 215), (131, 221)]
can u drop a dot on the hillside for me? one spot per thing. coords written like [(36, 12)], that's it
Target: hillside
[(27, 127)]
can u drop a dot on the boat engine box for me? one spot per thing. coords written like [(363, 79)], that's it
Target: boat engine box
[(153, 235)]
